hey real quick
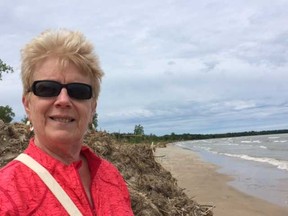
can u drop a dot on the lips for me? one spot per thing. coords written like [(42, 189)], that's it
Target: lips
[(62, 119)]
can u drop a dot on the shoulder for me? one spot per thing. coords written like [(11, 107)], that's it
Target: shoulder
[(16, 174), (103, 171), (16, 178), (109, 171), (12, 170), (98, 164), (13, 176)]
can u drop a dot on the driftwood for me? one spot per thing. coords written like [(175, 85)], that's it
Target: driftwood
[(153, 190)]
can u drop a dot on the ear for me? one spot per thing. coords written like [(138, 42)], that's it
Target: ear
[(26, 104)]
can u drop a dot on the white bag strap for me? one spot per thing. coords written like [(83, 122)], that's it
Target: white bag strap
[(51, 183)]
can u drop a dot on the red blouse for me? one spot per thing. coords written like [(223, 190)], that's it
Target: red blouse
[(22, 192)]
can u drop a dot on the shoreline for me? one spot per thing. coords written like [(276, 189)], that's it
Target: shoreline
[(201, 182)]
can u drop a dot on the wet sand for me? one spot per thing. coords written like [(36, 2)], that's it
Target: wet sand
[(205, 185)]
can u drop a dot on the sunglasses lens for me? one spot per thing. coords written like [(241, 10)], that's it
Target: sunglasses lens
[(46, 88), (79, 91)]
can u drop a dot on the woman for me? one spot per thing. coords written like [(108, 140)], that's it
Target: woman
[(61, 83)]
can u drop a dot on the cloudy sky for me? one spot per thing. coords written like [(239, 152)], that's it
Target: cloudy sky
[(182, 66)]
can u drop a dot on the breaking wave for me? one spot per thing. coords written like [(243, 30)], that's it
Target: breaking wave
[(283, 165)]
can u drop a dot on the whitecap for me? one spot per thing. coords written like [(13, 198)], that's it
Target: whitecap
[(283, 165), (246, 141)]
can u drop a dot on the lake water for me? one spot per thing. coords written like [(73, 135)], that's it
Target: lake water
[(259, 164)]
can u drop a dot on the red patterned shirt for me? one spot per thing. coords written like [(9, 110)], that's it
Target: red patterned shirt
[(22, 192)]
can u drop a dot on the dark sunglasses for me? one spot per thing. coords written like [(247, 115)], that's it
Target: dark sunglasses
[(50, 88)]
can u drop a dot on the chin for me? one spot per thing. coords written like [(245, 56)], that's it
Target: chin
[(63, 136)]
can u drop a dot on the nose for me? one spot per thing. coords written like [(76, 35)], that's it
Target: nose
[(63, 99)]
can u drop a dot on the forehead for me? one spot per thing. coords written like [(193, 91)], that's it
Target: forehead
[(53, 67)]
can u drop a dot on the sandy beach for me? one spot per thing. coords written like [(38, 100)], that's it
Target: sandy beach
[(203, 184)]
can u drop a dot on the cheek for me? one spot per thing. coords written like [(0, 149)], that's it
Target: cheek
[(35, 116), (88, 116), (88, 112), (37, 112), (84, 114)]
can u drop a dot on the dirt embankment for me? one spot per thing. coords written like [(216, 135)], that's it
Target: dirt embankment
[(153, 190)]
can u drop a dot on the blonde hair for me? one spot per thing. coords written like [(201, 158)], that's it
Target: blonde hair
[(69, 47)]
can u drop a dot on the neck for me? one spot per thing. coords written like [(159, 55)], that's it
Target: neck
[(67, 153)]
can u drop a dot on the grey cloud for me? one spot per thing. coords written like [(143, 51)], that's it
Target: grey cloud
[(173, 66)]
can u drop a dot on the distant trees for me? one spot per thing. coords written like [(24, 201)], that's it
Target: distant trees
[(94, 123), (4, 68), (6, 114), (25, 119), (95, 120), (139, 130)]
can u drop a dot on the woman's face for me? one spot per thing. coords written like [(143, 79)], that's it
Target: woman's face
[(59, 119)]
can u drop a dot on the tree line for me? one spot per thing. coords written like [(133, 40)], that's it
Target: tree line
[(136, 138)]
